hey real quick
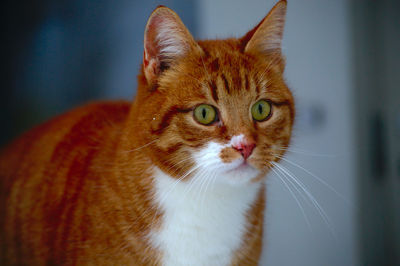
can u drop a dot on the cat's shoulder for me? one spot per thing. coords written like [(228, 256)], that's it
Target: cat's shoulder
[(79, 124)]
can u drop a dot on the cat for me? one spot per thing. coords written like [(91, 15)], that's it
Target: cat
[(177, 177)]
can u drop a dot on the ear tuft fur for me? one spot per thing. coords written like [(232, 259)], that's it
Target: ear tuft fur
[(266, 37), (166, 39)]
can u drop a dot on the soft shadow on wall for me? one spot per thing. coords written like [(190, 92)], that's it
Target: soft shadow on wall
[(60, 54)]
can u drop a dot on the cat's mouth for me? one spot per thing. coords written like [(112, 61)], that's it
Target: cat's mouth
[(241, 172), (242, 166)]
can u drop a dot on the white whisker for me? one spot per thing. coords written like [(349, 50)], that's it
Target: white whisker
[(205, 70), (141, 147), (209, 180), (294, 197), (320, 210), (202, 194), (316, 177), (202, 177), (165, 195), (176, 182), (195, 180), (303, 152)]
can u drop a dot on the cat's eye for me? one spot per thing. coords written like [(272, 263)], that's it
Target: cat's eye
[(261, 110), (205, 114)]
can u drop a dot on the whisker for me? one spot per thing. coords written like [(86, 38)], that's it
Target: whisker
[(303, 152), (166, 194), (197, 179), (321, 211), (192, 180), (176, 183), (294, 197), (205, 70), (141, 147), (205, 177), (202, 180), (301, 193), (318, 178), (267, 68), (178, 163), (209, 180)]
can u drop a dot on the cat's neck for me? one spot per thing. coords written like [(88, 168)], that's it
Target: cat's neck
[(207, 220), (200, 192)]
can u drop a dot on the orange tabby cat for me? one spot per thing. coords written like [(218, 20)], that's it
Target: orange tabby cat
[(174, 178)]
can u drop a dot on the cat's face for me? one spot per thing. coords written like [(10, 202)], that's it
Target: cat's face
[(221, 109)]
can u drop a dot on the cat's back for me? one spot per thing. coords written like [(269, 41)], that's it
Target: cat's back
[(42, 172)]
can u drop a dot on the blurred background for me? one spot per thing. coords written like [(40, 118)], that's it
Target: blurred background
[(342, 65)]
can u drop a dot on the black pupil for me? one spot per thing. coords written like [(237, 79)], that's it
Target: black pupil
[(204, 113), (260, 108)]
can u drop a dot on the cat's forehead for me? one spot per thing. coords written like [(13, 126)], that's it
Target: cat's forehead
[(218, 47), (226, 69), (223, 72), (229, 72), (225, 55)]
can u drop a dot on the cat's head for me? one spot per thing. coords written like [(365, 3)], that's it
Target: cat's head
[(218, 107)]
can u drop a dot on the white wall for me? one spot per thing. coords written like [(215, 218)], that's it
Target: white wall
[(317, 46)]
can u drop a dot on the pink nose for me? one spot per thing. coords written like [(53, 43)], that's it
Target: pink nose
[(244, 148)]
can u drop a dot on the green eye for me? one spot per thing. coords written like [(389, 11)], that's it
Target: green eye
[(205, 114), (261, 110)]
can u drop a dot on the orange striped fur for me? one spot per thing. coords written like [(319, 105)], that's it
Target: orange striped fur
[(80, 189)]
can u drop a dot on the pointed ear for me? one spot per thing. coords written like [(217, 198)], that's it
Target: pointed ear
[(266, 37), (166, 39)]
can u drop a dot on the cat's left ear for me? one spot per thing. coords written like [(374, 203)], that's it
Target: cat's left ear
[(266, 37), (166, 40)]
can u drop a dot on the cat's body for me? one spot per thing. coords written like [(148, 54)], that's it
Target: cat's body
[(154, 182), (63, 228)]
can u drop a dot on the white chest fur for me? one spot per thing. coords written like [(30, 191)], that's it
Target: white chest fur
[(203, 224)]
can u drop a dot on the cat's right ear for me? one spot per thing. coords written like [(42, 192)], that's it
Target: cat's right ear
[(166, 39)]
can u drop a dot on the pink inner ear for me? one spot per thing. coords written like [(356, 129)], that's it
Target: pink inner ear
[(165, 36), (166, 39), (151, 53), (145, 59), (151, 45), (151, 69)]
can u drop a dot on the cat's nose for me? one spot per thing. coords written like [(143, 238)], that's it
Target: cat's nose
[(245, 148)]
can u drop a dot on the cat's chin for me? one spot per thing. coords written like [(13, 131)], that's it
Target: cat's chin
[(240, 173), (240, 167)]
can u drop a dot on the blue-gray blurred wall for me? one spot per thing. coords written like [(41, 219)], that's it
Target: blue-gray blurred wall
[(60, 54)]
